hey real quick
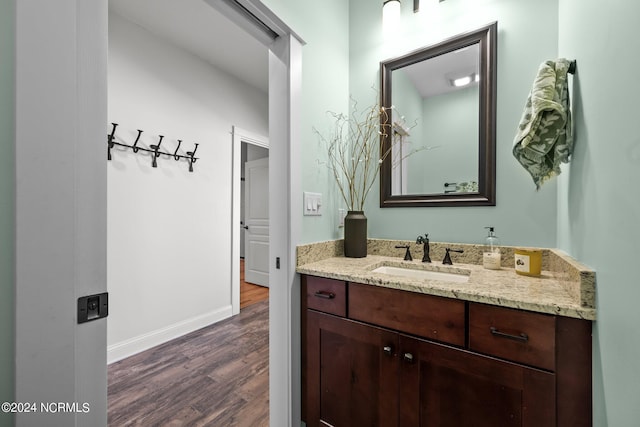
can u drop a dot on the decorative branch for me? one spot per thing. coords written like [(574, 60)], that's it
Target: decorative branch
[(354, 150)]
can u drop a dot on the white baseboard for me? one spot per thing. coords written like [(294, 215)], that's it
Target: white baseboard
[(143, 342)]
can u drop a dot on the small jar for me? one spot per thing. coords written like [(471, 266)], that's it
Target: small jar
[(528, 262)]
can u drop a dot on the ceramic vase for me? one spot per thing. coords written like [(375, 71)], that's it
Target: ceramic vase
[(355, 234)]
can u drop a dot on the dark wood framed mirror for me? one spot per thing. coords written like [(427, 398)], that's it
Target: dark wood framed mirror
[(441, 133)]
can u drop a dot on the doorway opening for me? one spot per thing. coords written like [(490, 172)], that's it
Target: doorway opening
[(250, 213), (79, 171), (254, 218), (189, 286)]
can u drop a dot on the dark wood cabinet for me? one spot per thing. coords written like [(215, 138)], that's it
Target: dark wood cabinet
[(352, 373), (445, 386), (374, 356)]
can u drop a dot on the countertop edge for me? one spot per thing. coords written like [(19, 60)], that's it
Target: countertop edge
[(574, 310)]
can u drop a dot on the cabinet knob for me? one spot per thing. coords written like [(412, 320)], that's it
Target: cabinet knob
[(408, 357), (388, 350)]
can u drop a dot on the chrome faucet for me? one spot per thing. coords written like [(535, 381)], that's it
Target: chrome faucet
[(447, 257), (407, 255), (425, 248)]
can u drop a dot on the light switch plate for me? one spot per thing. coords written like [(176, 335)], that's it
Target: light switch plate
[(312, 204)]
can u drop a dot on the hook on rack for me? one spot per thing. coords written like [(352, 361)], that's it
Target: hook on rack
[(110, 141), (176, 157), (191, 159), (156, 154), (135, 144), (153, 149)]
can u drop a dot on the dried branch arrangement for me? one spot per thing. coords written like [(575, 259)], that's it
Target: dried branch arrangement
[(354, 150)]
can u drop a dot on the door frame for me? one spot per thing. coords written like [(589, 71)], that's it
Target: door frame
[(61, 237), (238, 136)]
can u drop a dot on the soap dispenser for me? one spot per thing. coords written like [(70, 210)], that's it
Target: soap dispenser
[(491, 252)]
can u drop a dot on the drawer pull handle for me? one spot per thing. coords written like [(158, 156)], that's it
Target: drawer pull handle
[(325, 294), (522, 337), (408, 357), (388, 350)]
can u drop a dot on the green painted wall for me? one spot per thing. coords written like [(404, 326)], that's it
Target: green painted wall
[(7, 204), (590, 210), (527, 35), (324, 26), (451, 129), (598, 203)]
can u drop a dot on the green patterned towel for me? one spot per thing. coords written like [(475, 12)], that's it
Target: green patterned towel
[(544, 138)]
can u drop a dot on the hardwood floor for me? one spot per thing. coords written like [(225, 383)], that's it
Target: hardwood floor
[(216, 376), (250, 293)]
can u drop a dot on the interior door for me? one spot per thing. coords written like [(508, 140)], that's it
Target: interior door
[(256, 222)]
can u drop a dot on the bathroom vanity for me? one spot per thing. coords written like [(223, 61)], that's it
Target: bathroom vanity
[(495, 350)]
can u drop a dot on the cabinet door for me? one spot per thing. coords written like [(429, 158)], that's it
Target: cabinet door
[(351, 373), (444, 386)]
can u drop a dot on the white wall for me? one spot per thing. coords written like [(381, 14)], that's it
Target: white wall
[(169, 230)]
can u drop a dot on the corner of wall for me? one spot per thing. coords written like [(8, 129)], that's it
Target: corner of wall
[(7, 204)]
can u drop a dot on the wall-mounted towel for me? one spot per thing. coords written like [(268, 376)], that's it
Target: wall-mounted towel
[(544, 137)]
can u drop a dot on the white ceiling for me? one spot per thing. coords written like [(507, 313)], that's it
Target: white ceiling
[(195, 26), (441, 69)]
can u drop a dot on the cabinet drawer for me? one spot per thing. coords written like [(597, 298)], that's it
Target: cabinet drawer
[(520, 336), (327, 295), (431, 317)]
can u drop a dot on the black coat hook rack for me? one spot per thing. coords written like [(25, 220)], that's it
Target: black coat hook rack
[(153, 149)]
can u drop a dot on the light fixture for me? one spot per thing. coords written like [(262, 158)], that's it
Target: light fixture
[(391, 15), (416, 5), (464, 80), (391, 9)]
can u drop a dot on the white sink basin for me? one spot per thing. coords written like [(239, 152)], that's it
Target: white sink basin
[(422, 274)]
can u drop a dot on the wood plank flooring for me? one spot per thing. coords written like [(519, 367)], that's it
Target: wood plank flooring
[(216, 376), (250, 293)]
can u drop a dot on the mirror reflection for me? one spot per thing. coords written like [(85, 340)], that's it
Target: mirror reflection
[(442, 144), (444, 133)]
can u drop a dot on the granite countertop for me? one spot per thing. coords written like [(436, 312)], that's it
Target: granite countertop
[(566, 288)]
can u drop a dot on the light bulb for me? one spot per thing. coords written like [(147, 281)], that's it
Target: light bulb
[(462, 81), (391, 16)]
